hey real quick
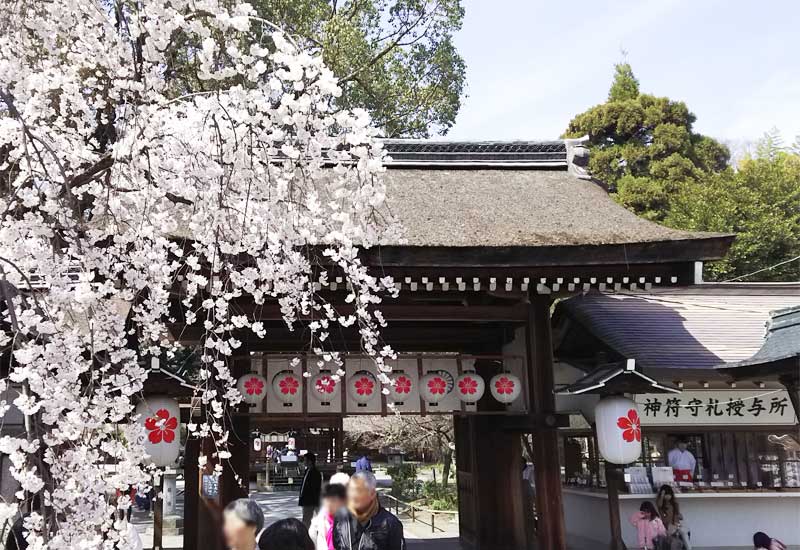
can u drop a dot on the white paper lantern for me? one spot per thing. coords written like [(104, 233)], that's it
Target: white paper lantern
[(401, 387), (362, 386), (324, 387), (161, 419), (470, 387), (619, 431), (435, 386), (253, 388), (505, 387), (287, 386)]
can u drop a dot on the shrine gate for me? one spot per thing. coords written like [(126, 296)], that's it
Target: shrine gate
[(495, 232)]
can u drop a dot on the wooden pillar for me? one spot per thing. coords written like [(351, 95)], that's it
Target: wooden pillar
[(191, 493), (614, 479), (490, 484), (235, 479), (551, 532)]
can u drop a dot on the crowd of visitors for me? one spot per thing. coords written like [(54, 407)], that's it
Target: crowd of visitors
[(344, 514)]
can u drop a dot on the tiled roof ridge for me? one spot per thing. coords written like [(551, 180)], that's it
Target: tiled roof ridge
[(515, 153)]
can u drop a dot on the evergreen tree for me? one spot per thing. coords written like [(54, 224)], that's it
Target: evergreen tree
[(644, 146)]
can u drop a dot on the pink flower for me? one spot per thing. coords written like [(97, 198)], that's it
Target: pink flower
[(437, 385), (289, 385), (325, 384), (631, 426), (402, 384), (364, 386), (504, 385), (161, 427), (254, 386), (468, 386)]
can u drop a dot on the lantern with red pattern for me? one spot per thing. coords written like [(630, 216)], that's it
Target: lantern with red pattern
[(324, 387), (619, 430), (435, 386), (253, 388), (470, 387), (362, 387), (161, 419), (505, 387), (401, 387), (287, 386)]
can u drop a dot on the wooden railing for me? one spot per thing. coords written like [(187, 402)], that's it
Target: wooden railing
[(416, 513)]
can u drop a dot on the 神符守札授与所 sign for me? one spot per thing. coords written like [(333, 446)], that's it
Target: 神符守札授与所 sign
[(739, 407)]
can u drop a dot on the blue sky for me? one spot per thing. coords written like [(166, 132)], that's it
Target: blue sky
[(533, 64)]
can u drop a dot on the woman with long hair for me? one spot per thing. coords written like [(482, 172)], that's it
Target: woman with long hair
[(670, 512)]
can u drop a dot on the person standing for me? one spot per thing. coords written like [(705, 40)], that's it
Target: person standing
[(363, 464), (682, 461), (363, 524), (334, 497), (310, 489)]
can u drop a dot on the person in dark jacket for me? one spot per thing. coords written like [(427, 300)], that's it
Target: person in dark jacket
[(364, 524), (286, 534), (310, 490)]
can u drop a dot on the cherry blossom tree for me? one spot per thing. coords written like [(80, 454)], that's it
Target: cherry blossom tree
[(122, 200)]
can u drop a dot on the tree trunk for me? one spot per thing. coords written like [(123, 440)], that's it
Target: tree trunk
[(448, 462)]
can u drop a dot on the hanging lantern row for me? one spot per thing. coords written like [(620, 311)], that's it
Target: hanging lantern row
[(363, 387)]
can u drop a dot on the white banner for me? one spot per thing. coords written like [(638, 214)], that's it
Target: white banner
[(717, 407)]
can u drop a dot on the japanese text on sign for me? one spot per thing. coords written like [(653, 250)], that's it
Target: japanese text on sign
[(717, 407)]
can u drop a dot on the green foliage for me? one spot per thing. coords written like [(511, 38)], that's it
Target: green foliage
[(644, 147), (395, 58), (760, 202), (438, 497), (625, 85), (405, 485)]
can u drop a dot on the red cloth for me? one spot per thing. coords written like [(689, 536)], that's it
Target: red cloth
[(682, 475)]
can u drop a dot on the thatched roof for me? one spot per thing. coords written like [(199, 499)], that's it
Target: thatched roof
[(530, 207)]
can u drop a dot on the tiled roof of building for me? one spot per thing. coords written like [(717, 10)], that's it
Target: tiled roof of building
[(404, 152), (782, 340), (698, 327)]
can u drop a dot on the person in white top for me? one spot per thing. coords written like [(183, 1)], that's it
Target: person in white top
[(682, 461)]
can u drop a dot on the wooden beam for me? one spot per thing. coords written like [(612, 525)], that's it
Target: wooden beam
[(685, 250)]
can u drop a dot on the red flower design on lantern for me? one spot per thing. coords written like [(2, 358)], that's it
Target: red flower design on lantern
[(631, 426), (364, 386), (402, 384), (325, 384), (289, 385), (437, 385), (468, 386), (161, 427), (254, 386), (504, 385)]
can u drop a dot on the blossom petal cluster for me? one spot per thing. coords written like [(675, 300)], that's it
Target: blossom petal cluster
[(133, 201)]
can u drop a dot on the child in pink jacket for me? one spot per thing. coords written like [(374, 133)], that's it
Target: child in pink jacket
[(648, 524)]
